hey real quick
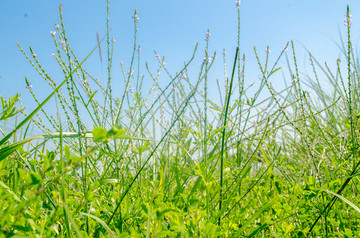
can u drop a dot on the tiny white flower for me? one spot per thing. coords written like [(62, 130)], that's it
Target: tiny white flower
[(135, 17), (268, 50), (207, 35), (294, 80)]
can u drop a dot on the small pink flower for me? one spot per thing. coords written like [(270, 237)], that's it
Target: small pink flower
[(348, 20), (135, 17), (294, 80), (53, 33), (207, 59), (33, 54), (183, 76), (268, 50), (207, 35), (238, 3)]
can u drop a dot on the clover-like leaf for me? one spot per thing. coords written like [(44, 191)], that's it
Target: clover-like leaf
[(100, 134)]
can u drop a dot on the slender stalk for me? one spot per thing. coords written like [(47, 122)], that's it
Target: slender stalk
[(223, 134), (352, 139)]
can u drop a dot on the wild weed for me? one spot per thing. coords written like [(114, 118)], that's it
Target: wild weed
[(170, 161)]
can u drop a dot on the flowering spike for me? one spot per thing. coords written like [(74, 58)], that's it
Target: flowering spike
[(267, 50), (207, 35), (347, 21)]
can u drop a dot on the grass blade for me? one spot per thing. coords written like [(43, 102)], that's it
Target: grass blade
[(224, 130)]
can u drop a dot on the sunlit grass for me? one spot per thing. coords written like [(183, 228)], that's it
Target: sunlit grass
[(171, 162)]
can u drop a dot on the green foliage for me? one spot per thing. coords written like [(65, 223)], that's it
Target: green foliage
[(175, 163), (8, 108), (102, 135)]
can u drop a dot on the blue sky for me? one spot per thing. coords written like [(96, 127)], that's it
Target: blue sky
[(171, 28)]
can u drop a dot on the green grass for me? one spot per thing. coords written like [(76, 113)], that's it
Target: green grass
[(171, 162)]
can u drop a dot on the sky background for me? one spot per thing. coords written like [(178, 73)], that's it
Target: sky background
[(171, 28)]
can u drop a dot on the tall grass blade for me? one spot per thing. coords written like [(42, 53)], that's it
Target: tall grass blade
[(223, 133)]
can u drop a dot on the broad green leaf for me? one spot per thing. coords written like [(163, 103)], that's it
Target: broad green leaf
[(196, 185), (100, 134), (32, 178), (8, 190), (107, 228), (106, 181), (7, 150)]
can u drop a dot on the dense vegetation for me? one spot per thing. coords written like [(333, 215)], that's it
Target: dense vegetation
[(170, 162)]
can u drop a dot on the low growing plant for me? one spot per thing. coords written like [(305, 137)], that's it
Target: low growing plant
[(171, 162)]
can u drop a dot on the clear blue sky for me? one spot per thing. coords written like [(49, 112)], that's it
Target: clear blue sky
[(171, 28)]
